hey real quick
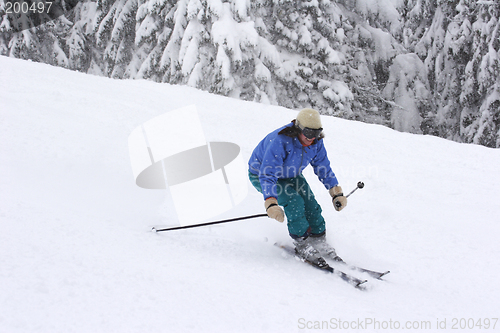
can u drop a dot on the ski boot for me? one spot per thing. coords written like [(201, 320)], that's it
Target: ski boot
[(305, 251), (321, 245)]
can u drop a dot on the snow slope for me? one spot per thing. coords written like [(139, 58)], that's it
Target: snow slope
[(77, 254)]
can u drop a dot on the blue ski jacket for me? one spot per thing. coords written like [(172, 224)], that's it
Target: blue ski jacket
[(279, 156)]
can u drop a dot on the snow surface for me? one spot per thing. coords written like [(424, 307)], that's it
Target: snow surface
[(77, 254)]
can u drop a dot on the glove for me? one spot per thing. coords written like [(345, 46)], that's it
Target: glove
[(273, 210), (339, 201)]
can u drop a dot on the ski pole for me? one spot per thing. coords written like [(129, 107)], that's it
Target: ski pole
[(359, 185), (209, 223)]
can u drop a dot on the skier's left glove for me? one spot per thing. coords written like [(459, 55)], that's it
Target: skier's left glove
[(338, 199)]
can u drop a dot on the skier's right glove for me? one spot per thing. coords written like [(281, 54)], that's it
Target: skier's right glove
[(273, 210), (338, 199)]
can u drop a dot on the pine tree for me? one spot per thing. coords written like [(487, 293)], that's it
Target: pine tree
[(311, 71), (417, 16), (461, 55), (444, 72), (153, 32), (114, 36), (373, 31), (80, 40), (480, 117), (355, 59), (409, 89)]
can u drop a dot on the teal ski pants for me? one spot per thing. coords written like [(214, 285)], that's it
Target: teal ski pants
[(303, 212)]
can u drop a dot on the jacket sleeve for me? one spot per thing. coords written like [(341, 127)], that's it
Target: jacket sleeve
[(271, 168), (322, 169)]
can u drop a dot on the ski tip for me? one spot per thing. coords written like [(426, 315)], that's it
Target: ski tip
[(385, 273), (153, 229), (361, 285)]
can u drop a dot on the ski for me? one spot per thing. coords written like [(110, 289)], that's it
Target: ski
[(357, 283), (374, 274)]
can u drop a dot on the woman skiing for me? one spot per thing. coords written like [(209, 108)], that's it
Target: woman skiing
[(275, 170)]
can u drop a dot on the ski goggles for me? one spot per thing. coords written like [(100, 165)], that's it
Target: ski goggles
[(311, 133)]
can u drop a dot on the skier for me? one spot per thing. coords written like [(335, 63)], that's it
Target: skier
[(275, 170)]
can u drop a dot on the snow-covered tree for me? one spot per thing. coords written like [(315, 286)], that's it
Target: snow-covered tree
[(310, 71), (460, 51), (417, 16), (243, 49), (79, 41), (29, 34), (408, 88), (112, 39), (480, 95), (370, 45), (444, 72), (153, 31), (425, 66)]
